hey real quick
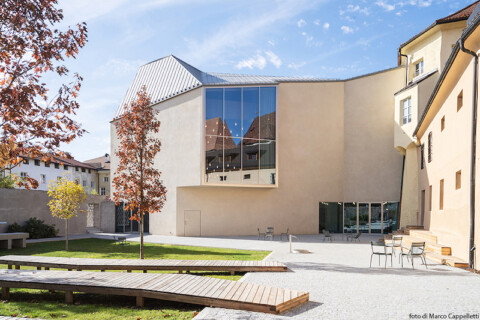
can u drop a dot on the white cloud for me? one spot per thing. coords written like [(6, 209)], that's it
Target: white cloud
[(316, 22), (384, 5), (392, 5), (258, 62), (274, 59), (301, 23), (118, 67), (296, 66), (326, 26), (271, 42), (347, 29)]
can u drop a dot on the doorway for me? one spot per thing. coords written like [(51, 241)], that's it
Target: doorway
[(192, 223)]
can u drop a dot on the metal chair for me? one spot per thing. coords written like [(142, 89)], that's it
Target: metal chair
[(379, 249), (286, 234), (326, 234), (261, 234), (355, 237), (417, 250), (396, 243), (269, 233)]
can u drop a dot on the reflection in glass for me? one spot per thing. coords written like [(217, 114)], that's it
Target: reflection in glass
[(232, 160), (213, 158), (363, 218), (376, 218), (267, 113), (233, 112), (390, 217), (267, 162), (214, 112), (250, 128), (350, 217), (250, 160), (330, 217)]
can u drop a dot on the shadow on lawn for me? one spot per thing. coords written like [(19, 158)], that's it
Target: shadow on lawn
[(109, 249)]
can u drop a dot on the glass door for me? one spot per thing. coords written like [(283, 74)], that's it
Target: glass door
[(350, 217), (330, 217), (363, 213), (375, 218)]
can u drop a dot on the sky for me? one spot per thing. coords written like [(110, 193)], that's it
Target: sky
[(334, 39)]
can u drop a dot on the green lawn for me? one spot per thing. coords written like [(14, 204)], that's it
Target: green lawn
[(45, 305)]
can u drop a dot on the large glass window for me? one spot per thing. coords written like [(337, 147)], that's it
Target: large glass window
[(390, 217), (376, 218), (363, 214), (406, 111), (350, 217), (331, 217), (240, 134)]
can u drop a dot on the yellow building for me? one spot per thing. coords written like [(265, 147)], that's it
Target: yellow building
[(241, 153)]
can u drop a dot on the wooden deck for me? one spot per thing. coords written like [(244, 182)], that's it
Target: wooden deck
[(172, 287), (146, 265)]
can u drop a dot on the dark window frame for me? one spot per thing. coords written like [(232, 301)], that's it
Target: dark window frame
[(430, 145), (422, 156)]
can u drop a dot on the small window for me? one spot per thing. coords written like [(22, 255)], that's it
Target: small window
[(458, 179), (25, 161), (252, 156), (223, 178), (441, 194), (422, 156), (37, 162), (76, 169), (89, 171), (83, 169), (460, 101), (246, 176), (65, 167), (92, 184), (442, 124), (43, 179), (430, 196), (102, 191), (418, 68), (105, 179), (23, 175), (57, 166), (47, 164), (84, 183), (430, 141), (406, 111)]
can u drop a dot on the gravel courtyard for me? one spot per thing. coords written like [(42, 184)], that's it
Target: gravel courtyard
[(342, 286)]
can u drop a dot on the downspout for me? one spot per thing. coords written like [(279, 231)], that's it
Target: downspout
[(474, 151), (406, 64)]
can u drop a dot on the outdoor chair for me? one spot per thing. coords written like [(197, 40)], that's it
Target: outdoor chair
[(269, 233), (379, 249), (354, 237), (396, 243), (286, 234), (261, 234), (417, 250), (120, 240), (327, 235)]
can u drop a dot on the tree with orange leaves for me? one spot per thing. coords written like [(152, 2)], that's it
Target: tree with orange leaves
[(137, 182), (33, 123)]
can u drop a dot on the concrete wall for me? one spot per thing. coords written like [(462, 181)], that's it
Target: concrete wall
[(18, 206)]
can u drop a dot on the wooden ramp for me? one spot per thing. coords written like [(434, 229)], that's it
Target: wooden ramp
[(145, 265), (173, 287)]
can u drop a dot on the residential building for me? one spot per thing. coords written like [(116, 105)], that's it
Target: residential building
[(240, 152), (102, 166)]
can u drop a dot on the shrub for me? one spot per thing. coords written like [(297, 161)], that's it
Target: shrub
[(7, 182), (36, 229)]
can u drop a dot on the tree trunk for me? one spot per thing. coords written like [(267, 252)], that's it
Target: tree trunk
[(66, 235), (141, 237)]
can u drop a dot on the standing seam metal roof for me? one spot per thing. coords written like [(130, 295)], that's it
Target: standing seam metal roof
[(169, 76)]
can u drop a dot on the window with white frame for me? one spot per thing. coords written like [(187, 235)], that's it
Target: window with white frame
[(406, 111), (23, 175), (419, 68), (43, 179), (84, 183), (102, 191), (105, 179)]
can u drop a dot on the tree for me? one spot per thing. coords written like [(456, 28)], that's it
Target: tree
[(66, 198), (137, 182), (34, 123)]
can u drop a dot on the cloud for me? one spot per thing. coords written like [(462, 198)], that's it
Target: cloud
[(316, 22), (386, 6), (357, 8), (118, 67), (392, 5), (271, 43), (260, 60), (296, 66), (274, 59), (326, 26), (347, 29), (301, 23)]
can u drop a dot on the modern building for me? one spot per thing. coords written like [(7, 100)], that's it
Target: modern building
[(241, 152), (102, 167)]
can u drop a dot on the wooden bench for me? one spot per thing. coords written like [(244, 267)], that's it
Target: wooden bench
[(164, 286), (15, 239), (231, 266)]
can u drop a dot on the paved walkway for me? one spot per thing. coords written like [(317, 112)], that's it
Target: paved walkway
[(341, 284)]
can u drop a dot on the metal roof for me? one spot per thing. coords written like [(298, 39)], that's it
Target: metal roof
[(168, 77)]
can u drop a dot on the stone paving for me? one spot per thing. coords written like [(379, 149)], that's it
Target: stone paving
[(342, 286)]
